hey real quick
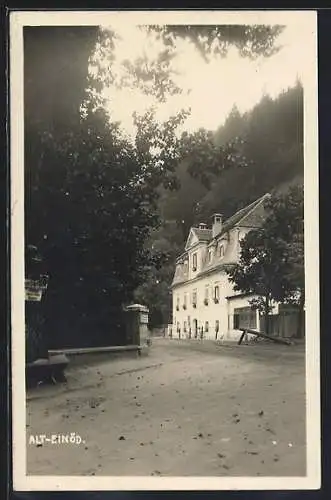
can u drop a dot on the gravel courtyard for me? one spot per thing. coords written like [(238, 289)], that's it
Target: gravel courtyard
[(186, 409)]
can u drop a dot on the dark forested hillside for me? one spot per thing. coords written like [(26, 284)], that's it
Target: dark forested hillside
[(271, 141), (272, 136)]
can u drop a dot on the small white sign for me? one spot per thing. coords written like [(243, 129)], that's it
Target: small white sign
[(33, 295), (144, 318)]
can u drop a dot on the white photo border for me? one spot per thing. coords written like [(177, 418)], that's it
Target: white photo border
[(304, 20)]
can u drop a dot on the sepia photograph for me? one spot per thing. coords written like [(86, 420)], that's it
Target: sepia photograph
[(164, 215)]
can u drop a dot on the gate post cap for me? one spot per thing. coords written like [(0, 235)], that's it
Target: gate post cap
[(137, 307)]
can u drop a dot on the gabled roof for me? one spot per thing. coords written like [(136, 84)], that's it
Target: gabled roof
[(247, 216), (198, 234), (251, 216), (202, 234)]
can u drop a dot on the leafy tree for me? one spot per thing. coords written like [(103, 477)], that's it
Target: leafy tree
[(258, 271), (55, 75), (156, 77), (98, 197), (286, 219), (165, 242), (251, 40), (270, 265), (296, 276)]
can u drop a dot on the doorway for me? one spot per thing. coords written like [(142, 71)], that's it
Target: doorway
[(195, 327)]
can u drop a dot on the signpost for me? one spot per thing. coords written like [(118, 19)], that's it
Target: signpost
[(36, 283), (34, 288), (40, 367)]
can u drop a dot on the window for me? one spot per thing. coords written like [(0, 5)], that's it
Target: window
[(186, 266), (244, 317), (206, 326), (206, 295), (194, 262), (221, 251), (217, 328), (210, 255), (185, 327), (194, 298), (185, 301), (216, 294), (177, 303)]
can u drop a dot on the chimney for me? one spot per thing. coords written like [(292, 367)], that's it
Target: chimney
[(217, 224), (202, 225)]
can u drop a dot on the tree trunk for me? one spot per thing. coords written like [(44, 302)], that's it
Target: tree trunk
[(267, 324), (301, 315)]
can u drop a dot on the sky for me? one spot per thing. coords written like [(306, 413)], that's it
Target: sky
[(209, 89)]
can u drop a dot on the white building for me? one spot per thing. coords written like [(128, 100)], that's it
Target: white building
[(204, 301)]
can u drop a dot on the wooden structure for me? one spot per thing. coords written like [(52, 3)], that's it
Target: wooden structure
[(285, 323), (277, 340), (49, 370)]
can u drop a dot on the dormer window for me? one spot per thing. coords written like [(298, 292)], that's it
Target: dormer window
[(194, 262), (241, 235), (210, 255), (194, 298), (221, 251)]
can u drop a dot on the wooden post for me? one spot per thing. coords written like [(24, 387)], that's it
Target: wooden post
[(242, 336), (263, 335)]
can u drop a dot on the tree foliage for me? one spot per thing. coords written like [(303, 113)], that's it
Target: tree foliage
[(157, 77), (269, 265), (55, 74), (250, 40), (97, 194)]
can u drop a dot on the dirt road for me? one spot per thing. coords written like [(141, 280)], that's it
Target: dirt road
[(183, 410)]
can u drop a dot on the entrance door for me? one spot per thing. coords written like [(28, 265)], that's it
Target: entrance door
[(189, 327), (195, 327)]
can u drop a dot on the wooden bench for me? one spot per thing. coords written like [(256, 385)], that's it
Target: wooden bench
[(277, 340), (49, 370)]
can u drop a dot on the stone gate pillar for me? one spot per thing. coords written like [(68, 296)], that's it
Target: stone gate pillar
[(137, 324)]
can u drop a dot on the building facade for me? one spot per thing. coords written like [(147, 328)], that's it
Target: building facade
[(205, 304)]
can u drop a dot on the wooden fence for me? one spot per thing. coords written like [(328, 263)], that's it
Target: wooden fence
[(284, 324)]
